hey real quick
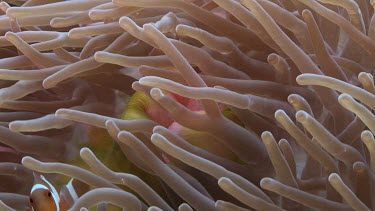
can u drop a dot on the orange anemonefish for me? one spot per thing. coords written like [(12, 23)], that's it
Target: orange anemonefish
[(44, 197)]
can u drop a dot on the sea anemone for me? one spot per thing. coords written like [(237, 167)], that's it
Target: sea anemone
[(189, 104)]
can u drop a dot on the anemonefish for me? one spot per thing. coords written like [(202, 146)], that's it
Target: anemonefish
[(44, 197), (141, 106)]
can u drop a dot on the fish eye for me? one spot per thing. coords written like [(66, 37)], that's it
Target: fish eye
[(31, 200), (49, 194)]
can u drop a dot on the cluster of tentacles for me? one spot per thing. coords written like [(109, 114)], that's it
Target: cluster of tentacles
[(189, 104)]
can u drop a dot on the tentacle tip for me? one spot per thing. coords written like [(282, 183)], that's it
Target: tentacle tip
[(142, 68), (157, 129), (364, 75), (48, 83), (74, 34), (156, 93), (345, 98), (306, 14), (98, 56), (218, 203), (124, 135), (155, 137), (60, 112), (359, 167), (124, 21), (180, 29), (92, 14), (265, 182), (109, 123), (149, 27), (224, 181), (58, 22), (272, 58), (84, 151), (144, 80), (136, 86), (10, 36), (14, 126), (279, 114), (11, 12), (266, 135), (302, 116), (333, 177), (292, 98), (301, 79), (26, 161), (366, 134), (283, 142), (4, 4), (54, 23)]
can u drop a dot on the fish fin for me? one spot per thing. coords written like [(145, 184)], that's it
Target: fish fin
[(71, 190), (68, 195)]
